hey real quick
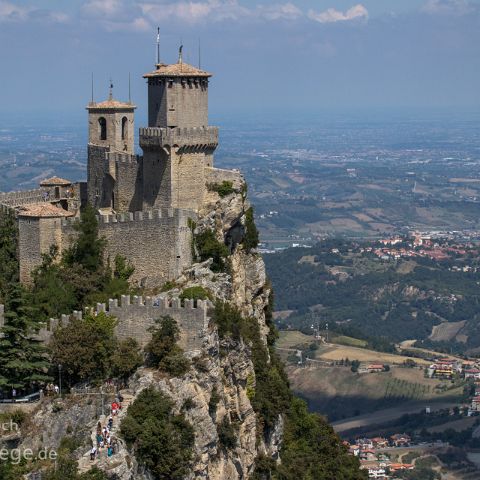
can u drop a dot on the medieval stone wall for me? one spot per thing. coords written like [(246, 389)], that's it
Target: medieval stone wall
[(16, 199), (98, 187), (156, 242), (128, 189), (136, 315), (177, 102)]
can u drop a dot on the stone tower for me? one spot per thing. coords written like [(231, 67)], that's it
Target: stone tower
[(178, 144), (111, 124), (111, 135)]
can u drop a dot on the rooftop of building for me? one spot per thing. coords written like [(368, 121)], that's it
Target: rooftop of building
[(111, 103), (179, 69), (55, 182), (43, 210)]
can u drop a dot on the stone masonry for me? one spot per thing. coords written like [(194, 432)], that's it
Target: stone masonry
[(136, 315)]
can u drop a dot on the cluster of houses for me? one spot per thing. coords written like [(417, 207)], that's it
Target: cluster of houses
[(447, 368), (372, 456), (416, 245), (373, 368)]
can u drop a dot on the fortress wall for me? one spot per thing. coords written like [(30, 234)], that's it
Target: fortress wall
[(15, 199), (128, 185), (188, 178), (136, 315), (36, 235), (157, 182), (157, 242), (98, 189), (29, 253)]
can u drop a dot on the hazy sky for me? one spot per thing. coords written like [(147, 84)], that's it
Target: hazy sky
[(293, 55)]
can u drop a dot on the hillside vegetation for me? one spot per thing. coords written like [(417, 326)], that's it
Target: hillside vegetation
[(381, 301)]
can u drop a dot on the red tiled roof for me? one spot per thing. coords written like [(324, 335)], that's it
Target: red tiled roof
[(110, 103), (42, 210), (180, 69), (55, 181)]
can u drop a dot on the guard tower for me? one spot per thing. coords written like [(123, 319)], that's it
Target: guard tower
[(178, 144), (111, 136), (111, 124)]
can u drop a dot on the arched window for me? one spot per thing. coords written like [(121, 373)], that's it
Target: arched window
[(124, 127), (103, 128)]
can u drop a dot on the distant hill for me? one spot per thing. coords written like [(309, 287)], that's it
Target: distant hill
[(361, 295)]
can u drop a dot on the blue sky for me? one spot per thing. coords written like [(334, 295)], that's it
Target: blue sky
[(266, 55)]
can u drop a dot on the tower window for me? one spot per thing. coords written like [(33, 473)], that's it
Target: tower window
[(124, 127), (103, 128)]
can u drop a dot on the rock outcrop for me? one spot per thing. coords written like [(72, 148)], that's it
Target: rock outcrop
[(222, 369)]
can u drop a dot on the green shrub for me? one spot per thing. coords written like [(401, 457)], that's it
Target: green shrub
[(251, 238), (195, 293), (162, 441), (163, 351), (213, 402), (226, 434), (126, 358), (223, 189), (168, 286), (209, 247)]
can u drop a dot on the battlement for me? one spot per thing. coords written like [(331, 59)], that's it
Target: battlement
[(204, 137), (16, 199), (147, 215), (135, 315), (123, 158)]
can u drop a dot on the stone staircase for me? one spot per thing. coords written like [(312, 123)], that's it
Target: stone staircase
[(102, 460)]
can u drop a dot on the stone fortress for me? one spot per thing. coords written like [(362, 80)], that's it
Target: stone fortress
[(144, 203)]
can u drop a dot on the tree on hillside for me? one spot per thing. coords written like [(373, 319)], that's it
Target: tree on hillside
[(8, 254), (52, 293), (162, 441), (23, 359), (85, 347), (88, 249), (163, 351)]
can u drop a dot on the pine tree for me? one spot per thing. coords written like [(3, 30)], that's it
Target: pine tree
[(23, 360), (8, 254), (88, 248)]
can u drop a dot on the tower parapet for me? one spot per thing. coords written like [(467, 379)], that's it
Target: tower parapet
[(201, 137)]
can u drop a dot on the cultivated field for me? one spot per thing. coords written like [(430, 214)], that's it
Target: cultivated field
[(339, 352), (341, 394)]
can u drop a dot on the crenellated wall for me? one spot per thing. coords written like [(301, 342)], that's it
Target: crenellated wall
[(135, 315), (156, 242), (16, 199)]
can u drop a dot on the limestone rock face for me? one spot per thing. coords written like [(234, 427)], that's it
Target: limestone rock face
[(222, 368)]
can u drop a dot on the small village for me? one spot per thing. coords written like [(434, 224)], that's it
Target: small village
[(381, 455)]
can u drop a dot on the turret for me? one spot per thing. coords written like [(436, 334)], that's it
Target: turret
[(111, 124), (177, 96)]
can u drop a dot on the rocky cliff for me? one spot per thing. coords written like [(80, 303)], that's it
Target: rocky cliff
[(218, 384)]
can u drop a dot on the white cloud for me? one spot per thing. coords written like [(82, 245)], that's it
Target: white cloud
[(449, 7), (286, 11), (331, 15), (10, 12), (194, 12), (217, 10), (102, 7)]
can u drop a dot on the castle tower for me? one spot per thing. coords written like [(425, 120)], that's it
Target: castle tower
[(178, 144), (111, 124), (111, 135)]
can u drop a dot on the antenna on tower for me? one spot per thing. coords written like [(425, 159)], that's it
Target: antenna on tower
[(180, 54), (92, 88), (158, 45), (129, 89), (199, 54)]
